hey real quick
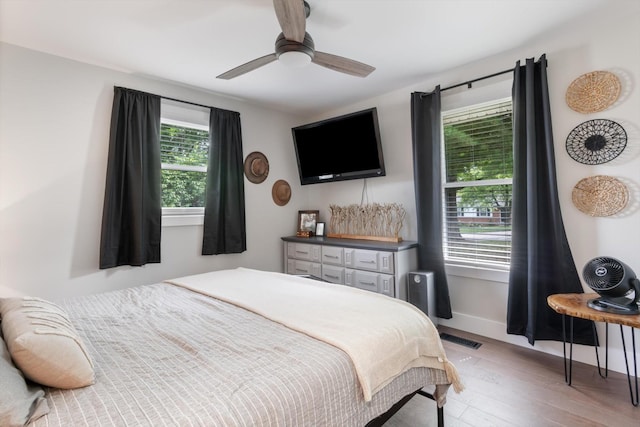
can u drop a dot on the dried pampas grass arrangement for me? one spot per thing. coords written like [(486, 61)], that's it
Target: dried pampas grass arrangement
[(371, 221)]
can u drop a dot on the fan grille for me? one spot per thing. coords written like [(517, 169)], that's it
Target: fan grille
[(603, 273)]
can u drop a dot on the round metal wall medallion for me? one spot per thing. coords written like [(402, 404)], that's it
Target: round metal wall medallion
[(596, 141)]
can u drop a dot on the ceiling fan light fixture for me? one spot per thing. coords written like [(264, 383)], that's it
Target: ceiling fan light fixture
[(295, 59), (294, 54), (295, 47)]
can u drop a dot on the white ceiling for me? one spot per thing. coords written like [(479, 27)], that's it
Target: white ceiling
[(193, 41)]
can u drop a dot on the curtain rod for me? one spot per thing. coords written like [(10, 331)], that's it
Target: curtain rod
[(470, 82), (186, 102), (168, 98)]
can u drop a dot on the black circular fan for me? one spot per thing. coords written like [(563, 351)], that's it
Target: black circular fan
[(596, 141), (614, 281)]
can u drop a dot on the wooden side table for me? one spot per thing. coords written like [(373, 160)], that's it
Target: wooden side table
[(575, 305)]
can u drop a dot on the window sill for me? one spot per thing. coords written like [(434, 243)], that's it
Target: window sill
[(182, 220), (481, 273)]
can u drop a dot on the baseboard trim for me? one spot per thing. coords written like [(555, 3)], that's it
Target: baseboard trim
[(581, 353)]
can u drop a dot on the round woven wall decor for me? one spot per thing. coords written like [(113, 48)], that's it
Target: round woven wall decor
[(600, 195), (593, 92), (596, 141)]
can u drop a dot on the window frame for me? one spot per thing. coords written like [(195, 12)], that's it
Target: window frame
[(183, 216), (458, 266)]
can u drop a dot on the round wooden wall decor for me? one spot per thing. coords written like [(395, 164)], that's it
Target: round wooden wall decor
[(596, 141), (281, 192), (600, 195), (593, 92), (256, 167)]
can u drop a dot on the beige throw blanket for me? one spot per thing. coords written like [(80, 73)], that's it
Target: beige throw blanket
[(384, 337)]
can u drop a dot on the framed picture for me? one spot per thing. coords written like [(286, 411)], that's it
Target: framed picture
[(307, 221), (320, 229)]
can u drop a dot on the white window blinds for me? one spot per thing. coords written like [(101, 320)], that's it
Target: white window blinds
[(184, 149), (478, 171)]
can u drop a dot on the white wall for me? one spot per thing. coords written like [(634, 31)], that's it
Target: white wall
[(609, 41), (54, 130)]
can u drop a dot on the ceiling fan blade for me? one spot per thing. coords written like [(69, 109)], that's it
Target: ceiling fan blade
[(344, 65), (249, 66), (292, 18)]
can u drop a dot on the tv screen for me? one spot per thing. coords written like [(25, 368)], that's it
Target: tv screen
[(339, 148)]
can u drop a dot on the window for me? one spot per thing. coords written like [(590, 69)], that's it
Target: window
[(478, 171), (184, 151)]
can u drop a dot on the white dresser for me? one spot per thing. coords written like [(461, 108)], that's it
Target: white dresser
[(375, 266)]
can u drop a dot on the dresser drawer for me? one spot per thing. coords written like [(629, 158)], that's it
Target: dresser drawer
[(358, 258), (365, 280), (333, 274), (387, 284), (295, 266), (370, 281), (386, 262), (332, 255), (303, 251), (365, 260)]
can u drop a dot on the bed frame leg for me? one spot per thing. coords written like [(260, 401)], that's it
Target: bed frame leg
[(440, 410), (379, 421)]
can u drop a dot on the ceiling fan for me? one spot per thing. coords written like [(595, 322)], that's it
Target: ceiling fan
[(294, 39)]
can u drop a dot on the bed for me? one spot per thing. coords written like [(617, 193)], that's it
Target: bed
[(236, 347)]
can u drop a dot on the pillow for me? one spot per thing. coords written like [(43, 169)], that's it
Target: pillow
[(44, 344), (19, 403)]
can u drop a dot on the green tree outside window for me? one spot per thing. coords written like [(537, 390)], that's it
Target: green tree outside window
[(184, 152)]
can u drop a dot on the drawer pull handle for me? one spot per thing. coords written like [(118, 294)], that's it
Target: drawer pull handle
[(332, 277), (368, 262), (331, 256), (367, 283), (302, 252)]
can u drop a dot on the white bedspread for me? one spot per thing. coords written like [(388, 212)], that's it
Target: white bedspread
[(384, 338)]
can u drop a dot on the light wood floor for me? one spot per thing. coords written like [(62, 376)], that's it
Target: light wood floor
[(507, 385)]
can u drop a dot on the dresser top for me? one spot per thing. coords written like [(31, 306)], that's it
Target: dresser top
[(354, 243)]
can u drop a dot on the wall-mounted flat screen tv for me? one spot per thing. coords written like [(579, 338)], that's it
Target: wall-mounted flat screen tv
[(339, 148)]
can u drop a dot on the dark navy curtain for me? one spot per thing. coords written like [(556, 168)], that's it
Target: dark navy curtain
[(224, 214), (426, 136), (541, 260), (132, 212)]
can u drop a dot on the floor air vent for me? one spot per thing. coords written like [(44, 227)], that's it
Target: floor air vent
[(459, 340)]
